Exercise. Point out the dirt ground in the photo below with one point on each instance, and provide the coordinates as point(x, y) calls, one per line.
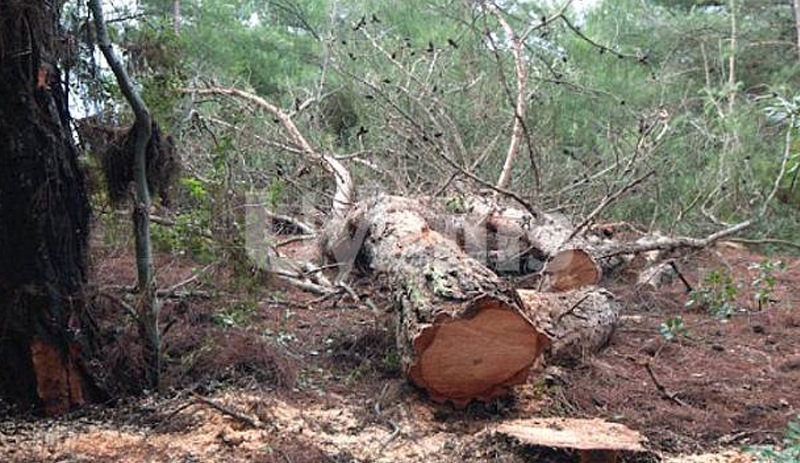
point(276, 375)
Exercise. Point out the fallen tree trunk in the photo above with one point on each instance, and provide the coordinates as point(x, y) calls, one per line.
point(463, 333)
point(513, 240)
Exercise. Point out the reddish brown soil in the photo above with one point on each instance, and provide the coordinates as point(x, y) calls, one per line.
point(321, 382)
point(731, 381)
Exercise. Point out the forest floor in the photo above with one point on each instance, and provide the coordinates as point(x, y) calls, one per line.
point(260, 372)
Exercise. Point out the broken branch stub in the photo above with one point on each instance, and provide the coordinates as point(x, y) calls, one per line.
point(462, 332)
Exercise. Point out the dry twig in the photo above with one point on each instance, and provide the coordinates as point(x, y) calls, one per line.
point(239, 416)
point(663, 390)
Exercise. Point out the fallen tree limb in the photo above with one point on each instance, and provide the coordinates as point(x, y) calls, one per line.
point(229, 411)
point(513, 240)
point(663, 390)
point(608, 200)
point(762, 241)
point(669, 244)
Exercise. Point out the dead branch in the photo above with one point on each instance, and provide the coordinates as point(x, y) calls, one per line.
point(453, 129)
point(295, 239)
point(535, 212)
point(640, 58)
point(663, 390)
point(669, 244)
point(685, 282)
point(605, 203)
point(784, 162)
point(521, 105)
point(258, 138)
point(304, 228)
point(301, 282)
point(174, 288)
point(224, 409)
point(775, 241)
point(345, 188)
point(118, 300)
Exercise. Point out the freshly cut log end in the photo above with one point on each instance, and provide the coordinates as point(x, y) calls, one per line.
point(475, 356)
point(596, 440)
point(572, 269)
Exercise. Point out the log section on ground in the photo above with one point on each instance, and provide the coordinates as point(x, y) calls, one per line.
point(462, 332)
point(596, 441)
point(578, 322)
point(571, 269)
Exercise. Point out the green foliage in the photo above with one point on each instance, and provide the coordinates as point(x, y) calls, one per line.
point(186, 235)
point(269, 44)
point(195, 188)
point(717, 294)
point(455, 204)
point(236, 316)
point(672, 328)
point(764, 282)
point(789, 452)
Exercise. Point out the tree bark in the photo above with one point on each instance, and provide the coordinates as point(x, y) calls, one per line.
point(578, 322)
point(44, 218)
point(511, 240)
point(462, 332)
point(796, 17)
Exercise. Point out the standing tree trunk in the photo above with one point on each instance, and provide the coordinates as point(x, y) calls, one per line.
point(796, 11)
point(44, 217)
point(147, 306)
point(176, 17)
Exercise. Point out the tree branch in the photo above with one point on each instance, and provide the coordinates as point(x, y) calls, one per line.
point(344, 196)
point(521, 105)
point(669, 244)
point(605, 203)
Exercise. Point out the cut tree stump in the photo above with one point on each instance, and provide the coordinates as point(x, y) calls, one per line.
point(597, 441)
point(462, 332)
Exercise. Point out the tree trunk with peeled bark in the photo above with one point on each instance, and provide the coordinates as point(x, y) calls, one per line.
point(44, 218)
point(463, 333)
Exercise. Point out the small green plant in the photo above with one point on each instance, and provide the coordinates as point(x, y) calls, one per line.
point(456, 205)
point(789, 452)
point(671, 328)
point(717, 294)
point(764, 282)
point(235, 316)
